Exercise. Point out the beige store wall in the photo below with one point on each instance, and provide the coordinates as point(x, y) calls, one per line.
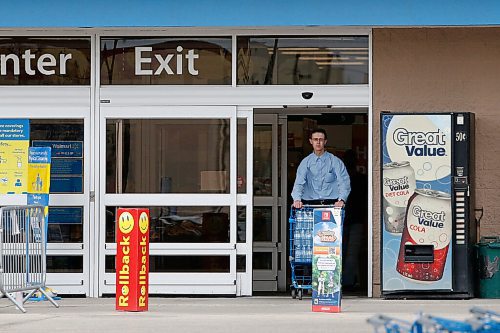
point(441, 70)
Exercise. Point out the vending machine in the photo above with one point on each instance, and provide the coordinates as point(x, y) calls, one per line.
point(428, 229)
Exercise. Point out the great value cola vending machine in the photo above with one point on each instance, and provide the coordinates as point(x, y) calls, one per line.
point(427, 202)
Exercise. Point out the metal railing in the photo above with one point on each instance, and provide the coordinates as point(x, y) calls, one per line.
point(23, 246)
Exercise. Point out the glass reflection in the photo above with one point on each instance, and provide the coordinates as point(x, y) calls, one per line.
point(241, 263)
point(262, 224)
point(262, 260)
point(65, 225)
point(263, 160)
point(181, 264)
point(67, 163)
point(152, 61)
point(242, 156)
point(180, 224)
point(66, 61)
point(302, 60)
point(241, 233)
point(167, 156)
point(64, 264)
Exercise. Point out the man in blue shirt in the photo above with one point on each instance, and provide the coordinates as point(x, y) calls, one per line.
point(322, 178)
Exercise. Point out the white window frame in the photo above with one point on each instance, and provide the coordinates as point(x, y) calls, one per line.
point(59, 102)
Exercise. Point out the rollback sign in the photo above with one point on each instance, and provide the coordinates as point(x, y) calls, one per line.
point(132, 259)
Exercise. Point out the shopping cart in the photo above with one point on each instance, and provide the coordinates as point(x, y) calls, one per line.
point(301, 249)
point(484, 321)
point(383, 323)
point(423, 324)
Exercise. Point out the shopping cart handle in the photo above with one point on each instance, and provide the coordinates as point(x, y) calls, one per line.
point(376, 321)
point(317, 206)
point(448, 325)
point(389, 323)
point(481, 311)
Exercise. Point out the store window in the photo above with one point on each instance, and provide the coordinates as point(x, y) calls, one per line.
point(186, 224)
point(155, 61)
point(167, 156)
point(44, 61)
point(64, 264)
point(181, 264)
point(263, 162)
point(241, 222)
point(302, 60)
point(65, 137)
point(241, 181)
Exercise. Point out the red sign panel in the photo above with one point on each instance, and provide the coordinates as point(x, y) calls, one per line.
point(132, 259)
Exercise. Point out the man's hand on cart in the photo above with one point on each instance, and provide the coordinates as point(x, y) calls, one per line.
point(339, 203)
point(298, 204)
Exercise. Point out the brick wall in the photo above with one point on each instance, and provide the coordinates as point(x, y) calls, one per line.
point(441, 70)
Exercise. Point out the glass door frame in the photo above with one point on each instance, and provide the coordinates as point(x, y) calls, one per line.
point(267, 280)
point(172, 283)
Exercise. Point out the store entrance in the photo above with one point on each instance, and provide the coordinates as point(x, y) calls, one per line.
point(280, 143)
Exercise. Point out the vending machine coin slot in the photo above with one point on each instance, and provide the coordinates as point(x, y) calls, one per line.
point(419, 253)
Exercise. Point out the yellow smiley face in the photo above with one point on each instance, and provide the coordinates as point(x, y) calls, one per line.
point(143, 222)
point(126, 222)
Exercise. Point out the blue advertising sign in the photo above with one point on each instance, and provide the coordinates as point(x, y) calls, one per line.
point(14, 129)
point(416, 202)
point(67, 166)
point(327, 259)
point(39, 178)
point(65, 215)
point(62, 148)
point(14, 143)
point(66, 184)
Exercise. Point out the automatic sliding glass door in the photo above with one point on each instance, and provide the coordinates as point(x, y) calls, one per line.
point(183, 168)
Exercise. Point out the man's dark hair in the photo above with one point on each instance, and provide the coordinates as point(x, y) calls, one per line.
point(318, 130)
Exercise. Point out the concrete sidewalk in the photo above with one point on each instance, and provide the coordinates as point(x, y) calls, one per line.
point(245, 314)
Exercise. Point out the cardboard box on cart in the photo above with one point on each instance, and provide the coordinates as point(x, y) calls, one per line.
point(327, 259)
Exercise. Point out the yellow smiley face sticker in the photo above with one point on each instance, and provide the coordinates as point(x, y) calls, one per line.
point(126, 222)
point(143, 222)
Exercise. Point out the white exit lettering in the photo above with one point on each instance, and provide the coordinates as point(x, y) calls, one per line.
point(46, 63)
point(163, 64)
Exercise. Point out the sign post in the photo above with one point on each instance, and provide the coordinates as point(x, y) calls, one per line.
point(327, 259)
point(132, 259)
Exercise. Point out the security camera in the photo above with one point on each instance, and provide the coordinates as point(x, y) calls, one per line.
point(307, 95)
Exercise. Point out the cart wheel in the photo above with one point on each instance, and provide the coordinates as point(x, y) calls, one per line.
point(300, 294)
point(294, 293)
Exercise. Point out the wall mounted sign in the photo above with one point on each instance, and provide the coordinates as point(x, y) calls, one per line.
point(173, 61)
